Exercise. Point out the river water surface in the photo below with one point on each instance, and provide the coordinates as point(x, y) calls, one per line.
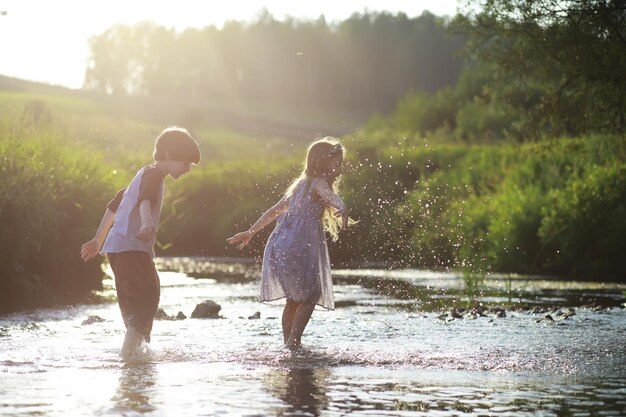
point(391, 348)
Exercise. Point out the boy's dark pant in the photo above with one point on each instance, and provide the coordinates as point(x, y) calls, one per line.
point(138, 289)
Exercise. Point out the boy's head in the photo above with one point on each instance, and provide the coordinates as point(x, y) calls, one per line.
point(176, 144)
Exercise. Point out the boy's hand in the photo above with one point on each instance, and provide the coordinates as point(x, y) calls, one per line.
point(243, 238)
point(90, 250)
point(147, 232)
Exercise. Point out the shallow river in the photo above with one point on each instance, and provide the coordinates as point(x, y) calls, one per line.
point(380, 353)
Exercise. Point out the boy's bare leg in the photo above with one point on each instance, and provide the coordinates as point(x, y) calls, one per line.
point(301, 319)
point(288, 316)
point(132, 341)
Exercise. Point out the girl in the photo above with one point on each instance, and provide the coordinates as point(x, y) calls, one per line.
point(295, 262)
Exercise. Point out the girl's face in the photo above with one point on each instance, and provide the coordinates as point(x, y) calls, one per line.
point(334, 165)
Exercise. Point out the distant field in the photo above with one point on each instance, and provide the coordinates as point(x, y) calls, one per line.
point(229, 128)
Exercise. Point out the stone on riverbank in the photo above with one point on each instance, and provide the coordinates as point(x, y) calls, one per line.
point(91, 320)
point(206, 309)
point(162, 315)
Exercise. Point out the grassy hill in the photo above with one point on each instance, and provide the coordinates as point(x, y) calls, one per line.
point(267, 122)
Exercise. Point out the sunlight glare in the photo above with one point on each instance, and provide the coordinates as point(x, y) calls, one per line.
point(48, 41)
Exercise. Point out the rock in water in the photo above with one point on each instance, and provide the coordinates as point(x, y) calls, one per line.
point(92, 319)
point(161, 315)
point(206, 309)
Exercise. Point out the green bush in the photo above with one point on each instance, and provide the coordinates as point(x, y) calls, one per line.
point(485, 208)
point(51, 198)
point(584, 224)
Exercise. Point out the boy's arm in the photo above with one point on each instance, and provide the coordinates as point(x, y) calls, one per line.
point(91, 249)
point(269, 216)
point(149, 188)
point(147, 232)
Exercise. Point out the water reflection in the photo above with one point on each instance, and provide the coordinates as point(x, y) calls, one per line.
point(302, 389)
point(135, 391)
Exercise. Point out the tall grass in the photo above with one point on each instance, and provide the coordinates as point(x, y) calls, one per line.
point(51, 198)
point(554, 206)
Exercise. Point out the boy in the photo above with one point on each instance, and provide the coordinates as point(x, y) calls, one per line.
point(129, 226)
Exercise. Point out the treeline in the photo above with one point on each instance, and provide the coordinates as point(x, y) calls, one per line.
point(533, 69)
point(364, 63)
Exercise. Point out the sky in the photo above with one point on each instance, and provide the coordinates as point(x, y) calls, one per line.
point(47, 40)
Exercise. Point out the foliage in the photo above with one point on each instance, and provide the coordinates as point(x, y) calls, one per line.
point(583, 224)
point(568, 56)
point(551, 207)
point(534, 69)
point(50, 198)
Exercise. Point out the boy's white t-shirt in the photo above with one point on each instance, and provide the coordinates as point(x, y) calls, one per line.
point(122, 236)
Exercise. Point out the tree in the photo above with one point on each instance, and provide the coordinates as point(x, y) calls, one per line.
point(570, 56)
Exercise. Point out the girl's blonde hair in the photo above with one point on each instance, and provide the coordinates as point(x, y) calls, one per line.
point(318, 156)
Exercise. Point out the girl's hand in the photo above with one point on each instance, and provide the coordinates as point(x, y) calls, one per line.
point(242, 238)
point(344, 219)
point(90, 250)
point(147, 232)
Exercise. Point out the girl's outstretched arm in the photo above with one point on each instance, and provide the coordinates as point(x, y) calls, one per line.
point(269, 216)
point(331, 199)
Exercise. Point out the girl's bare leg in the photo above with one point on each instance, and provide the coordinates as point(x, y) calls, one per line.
point(301, 319)
point(288, 316)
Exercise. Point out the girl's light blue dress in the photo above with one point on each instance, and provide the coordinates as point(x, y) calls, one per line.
point(295, 262)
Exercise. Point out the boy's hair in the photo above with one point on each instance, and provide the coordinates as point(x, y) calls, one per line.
point(178, 144)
